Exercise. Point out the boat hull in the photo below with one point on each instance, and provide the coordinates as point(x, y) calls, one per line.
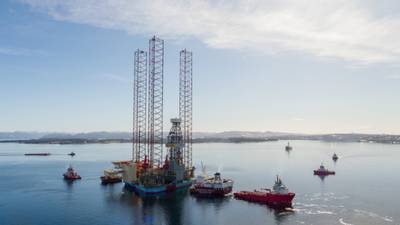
point(66, 177)
point(162, 189)
point(324, 173)
point(210, 192)
point(272, 199)
point(110, 180)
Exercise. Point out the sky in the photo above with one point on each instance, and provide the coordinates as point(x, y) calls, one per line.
point(259, 65)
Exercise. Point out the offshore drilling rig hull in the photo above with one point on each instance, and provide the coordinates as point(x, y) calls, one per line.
point(144, 178)
point(159, 190)
point(152, 170)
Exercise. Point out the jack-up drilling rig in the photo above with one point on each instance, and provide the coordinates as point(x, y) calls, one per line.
point(149, 172)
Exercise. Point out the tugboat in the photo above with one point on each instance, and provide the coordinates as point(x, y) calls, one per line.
point(335, 157)
point(279, 196)
point(212, 187)
point(72, 154)
point(322, 171)
point(111, 176)
point(288, 147)
point(71, 174)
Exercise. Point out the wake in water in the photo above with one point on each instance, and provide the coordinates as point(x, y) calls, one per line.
point(373, 215)
point(329, 204)
point(342, 222)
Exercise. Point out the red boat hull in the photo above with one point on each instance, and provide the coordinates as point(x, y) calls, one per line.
point(323, 173)
point(210, 192)
point(272, 199)
point(72, 177)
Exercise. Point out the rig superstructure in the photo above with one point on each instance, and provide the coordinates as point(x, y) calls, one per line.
point(149, 171)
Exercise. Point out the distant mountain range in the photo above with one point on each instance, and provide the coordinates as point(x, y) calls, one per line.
point(18, 135)
point(21, 135)
point(227, 136)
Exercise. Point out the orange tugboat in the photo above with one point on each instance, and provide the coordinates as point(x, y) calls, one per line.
point(279, 196)
point(71, 174)
point(212, 187)
point(322, 171)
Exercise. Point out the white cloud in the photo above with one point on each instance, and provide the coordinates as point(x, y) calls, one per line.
point(342, 29)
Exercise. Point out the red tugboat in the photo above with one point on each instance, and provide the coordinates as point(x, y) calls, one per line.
point(71, 174)
point(322, 171)
point(279, 196)
point(212, 187)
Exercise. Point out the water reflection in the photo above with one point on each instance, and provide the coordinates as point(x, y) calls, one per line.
point(217, 203)
point(288, 153)
point(162, 209)
point(281, 214)
point(321, 177)
point(69, 184)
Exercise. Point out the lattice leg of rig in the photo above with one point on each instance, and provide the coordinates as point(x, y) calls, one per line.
point(186, 103)
point(155, 103)
point(139, 105)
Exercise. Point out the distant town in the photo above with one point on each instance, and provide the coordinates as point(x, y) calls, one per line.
point(199, 137)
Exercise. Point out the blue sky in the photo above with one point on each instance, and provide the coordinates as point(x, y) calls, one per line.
point(295, 66)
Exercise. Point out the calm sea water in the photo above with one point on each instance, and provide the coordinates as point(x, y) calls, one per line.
point(364, 190)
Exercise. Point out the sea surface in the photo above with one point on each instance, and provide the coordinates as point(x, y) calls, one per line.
point(365, 189)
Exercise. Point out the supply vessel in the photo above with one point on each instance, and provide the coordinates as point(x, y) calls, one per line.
point(212, 186)
point(279, 196)
point(111, 176)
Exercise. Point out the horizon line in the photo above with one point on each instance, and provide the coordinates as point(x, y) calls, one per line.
point(226, 131)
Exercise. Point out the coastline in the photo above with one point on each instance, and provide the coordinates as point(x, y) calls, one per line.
point(338, 138)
